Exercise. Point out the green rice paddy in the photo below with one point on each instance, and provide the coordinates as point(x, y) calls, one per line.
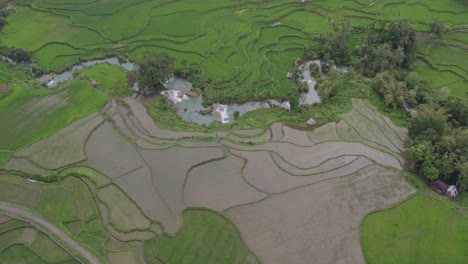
point(30, 114)
point(420, 230)
point(207, 237)
point(248, 46)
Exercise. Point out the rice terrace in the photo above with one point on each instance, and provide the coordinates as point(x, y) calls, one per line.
point(234, 131)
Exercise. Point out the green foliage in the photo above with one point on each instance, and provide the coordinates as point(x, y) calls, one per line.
point(383, 57)
point(236, 115)
point(154, 70)
point(420, 230)
point(390, 89)
point(438, 151)
point(314, 70)
point(389, 45)
point(339, 43)
point(19, 55)
point(438, 27)
point(427, 127)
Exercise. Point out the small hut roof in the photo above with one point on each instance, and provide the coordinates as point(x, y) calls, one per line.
point(439, 185)
point(311, 121)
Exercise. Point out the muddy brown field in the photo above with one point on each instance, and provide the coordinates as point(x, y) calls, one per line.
point(297, 196)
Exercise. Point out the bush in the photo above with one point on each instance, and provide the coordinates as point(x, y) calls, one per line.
point(236, 115)
point(19, 55)
point(314, 70)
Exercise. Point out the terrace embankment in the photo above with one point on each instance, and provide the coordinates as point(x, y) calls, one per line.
point(295, 195)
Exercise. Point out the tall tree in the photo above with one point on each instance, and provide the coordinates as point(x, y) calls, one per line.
point(154, 69)
point(438, 27)
point(390, 89)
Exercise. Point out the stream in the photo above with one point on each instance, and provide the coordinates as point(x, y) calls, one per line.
point(189, 108)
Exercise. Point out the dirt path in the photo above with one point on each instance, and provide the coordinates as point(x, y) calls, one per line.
point(49, 229)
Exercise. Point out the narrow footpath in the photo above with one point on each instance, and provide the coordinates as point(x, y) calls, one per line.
point(49, 229)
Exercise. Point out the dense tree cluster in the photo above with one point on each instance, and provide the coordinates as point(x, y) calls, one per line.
point(154, 70)
point(439, 147)
point(19, 54)
point(3, 17)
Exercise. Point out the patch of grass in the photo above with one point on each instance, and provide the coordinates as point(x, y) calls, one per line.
point(150, 251)
point(4, 157)
point(48, 250)
point(419, 230)
point(29, 115)
point(111, 79)
point(206, 237)
point(20, 254)
point(9, 72)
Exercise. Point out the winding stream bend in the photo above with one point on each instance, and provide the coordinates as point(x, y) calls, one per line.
point(189, 108)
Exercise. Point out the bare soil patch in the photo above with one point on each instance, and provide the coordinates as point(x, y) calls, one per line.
point(276, 132)
point(261, 172)
point(324, 133)
point(67, 149)
point(346, 132)
point(297, 137)
point(139, 186)
point(110, 153)
point(328, 165)
point(219, 185)
point(123, 213)
point(319, 222)
point(169, 169)
point(306, 157)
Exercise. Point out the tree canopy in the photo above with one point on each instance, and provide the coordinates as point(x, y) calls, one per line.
point(154, 69)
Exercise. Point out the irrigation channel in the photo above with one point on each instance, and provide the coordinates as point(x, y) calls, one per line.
point(189, 108)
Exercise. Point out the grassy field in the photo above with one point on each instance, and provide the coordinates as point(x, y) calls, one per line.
point(110, 78)
point(31, 114)
point(207, 237)
point(248, 46)
point(420, 230)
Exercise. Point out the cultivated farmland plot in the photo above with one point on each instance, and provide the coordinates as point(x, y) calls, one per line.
point(98, 165)
point(144, 186)
point(253, 43)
